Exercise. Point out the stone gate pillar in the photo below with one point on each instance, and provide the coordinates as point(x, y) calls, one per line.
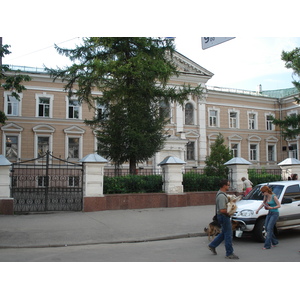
point(93, 176)
point(172, 174)
point(289, 167)
point(6, 203)
point(239, 168)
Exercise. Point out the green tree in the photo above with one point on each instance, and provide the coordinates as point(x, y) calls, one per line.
point(290, 125)
point(132, 73)
point(9, 81)
point(219, 154)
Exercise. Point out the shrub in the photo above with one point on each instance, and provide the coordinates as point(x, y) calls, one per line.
point(132, 184)
point(194, 182)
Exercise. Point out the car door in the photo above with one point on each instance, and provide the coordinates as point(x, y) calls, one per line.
point(289, 212)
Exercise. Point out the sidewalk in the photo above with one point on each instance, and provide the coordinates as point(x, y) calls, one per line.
point(113, 226)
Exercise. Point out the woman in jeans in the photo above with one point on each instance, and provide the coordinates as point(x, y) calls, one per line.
point(272, 204)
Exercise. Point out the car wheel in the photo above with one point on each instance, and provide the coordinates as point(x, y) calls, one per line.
point(259, 232)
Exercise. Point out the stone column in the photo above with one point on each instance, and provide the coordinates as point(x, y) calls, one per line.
point(172, 174)
point(6, 203)
point(289, 167)
point(93, 176)
point(239, 168)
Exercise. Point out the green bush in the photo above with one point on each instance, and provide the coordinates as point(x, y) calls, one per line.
point(132, 184)
point(194, 182)
point(262, 176)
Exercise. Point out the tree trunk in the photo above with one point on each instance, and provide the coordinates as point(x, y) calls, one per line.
point(132, 166)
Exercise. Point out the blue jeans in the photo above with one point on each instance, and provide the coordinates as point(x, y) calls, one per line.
point(270, 222)
point(225, 234)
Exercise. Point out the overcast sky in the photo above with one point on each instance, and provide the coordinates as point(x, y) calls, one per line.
point(242, 63)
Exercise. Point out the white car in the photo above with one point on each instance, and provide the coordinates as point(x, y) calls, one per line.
point(288, 193)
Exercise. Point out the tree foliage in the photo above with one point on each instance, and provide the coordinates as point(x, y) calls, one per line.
point(132, 75)
point(219, 154)
point(290, 125)
point(10, 80)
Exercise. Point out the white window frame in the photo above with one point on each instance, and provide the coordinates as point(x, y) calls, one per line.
point(194, 150)
point(18, 136)
point(237, 150)
point(274, 152)
point(252, 123)
point(237, 119)
point(17, 105)
point(214, 121)
point(37, 100)
point(36, 136)
point(293, 153)
point(193, 113)
point(68, 106)
point(269, 124)
point(43, 130)
point(68, 136)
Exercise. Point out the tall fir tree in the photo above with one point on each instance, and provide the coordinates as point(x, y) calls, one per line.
point(133, 74)
point(219, 154)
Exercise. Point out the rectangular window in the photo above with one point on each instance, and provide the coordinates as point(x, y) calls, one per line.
point(233, 119)
point(190, 151)
point(43, 181)
point(252, 121)
point(213, 115)
point(74, 108)
point(293, 151)
point(11, 147)
point(12, 108)
point(271, 153)
point(253, 152)
point(44, 107)
point(73, 148)
point(74, 181)
point(235, 150)
point(43, 145)
point(269, 123)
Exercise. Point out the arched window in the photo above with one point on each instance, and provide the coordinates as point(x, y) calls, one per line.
point(189, 114)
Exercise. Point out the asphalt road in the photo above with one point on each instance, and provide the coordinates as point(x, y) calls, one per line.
point(192, 249)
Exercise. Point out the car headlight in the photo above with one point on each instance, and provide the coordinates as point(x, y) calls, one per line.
point(246, 213)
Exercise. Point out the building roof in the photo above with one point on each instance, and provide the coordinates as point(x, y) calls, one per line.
point(281, 93)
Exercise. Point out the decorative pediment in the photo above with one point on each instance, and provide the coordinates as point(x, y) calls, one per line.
point(43, 128)
point(235, 137)
point(12, 127)
point(74, 130)
point(186, 65)
point(272, 139)
point(192, 134)
point(254, 138)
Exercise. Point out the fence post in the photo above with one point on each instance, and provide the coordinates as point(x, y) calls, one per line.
point(289, 167)
point(239, 168)
point(93, 177)
point(172, 174)
point(6, 203)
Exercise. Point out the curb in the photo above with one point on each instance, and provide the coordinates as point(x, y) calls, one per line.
point(171, 237)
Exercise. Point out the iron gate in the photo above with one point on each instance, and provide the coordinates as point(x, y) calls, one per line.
point(46, 183)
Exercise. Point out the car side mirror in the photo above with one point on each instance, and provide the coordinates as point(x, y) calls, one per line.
point(286, 200)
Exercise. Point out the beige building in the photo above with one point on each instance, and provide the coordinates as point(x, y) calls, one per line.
point(46, 119)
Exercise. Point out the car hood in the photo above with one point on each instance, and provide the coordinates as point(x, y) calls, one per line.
point(248, 204)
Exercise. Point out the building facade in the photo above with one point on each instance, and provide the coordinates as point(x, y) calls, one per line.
point(45, 119)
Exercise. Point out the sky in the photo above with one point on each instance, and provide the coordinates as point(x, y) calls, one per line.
point(240, 63)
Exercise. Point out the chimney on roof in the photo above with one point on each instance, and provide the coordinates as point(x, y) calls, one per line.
point(259, 89)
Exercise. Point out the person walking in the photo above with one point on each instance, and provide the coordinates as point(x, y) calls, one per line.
point(247, 185)
point(272, 204)
point(224, 221)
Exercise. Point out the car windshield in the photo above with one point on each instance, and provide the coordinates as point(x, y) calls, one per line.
point(256, 194)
